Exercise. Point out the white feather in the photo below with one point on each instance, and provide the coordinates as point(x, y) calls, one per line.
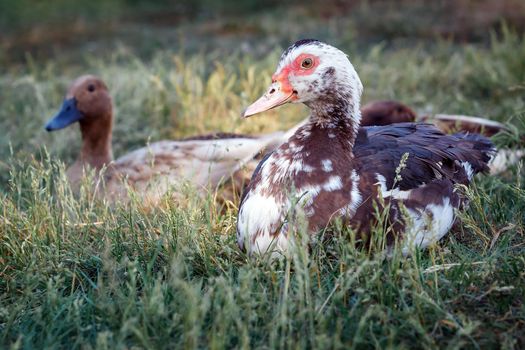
point(428, 226)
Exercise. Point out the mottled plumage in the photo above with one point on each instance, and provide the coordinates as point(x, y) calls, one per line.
point(330, 168)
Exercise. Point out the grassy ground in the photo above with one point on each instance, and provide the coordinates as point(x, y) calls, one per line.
point(77, 274)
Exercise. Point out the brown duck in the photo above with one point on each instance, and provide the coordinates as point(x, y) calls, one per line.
point(151, 171)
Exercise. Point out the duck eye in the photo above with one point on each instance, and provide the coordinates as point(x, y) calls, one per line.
point(91, 88)
point(307, 63)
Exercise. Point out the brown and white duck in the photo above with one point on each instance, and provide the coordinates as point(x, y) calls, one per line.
point(204, 161)
point(330, 168)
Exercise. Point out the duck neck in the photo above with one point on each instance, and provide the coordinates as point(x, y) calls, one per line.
point(96, 141)
point(337, 115)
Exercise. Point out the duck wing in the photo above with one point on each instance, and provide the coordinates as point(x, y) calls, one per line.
point(202, 161)
point(431, 154)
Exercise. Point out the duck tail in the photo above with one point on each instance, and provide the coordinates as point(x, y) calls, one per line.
point(480, 152)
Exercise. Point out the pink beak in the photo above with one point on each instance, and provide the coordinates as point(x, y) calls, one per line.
point(275, 96)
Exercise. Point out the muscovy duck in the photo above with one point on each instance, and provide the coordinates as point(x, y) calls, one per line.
point(331, 168)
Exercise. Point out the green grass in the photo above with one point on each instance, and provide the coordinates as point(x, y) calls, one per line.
point(75, 273)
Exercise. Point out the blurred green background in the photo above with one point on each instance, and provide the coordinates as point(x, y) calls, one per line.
point(62, 29)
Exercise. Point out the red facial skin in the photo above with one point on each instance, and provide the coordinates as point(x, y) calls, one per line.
point(295, 69)
point(281, 91)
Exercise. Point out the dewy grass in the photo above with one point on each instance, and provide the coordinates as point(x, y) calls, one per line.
point(77, 273)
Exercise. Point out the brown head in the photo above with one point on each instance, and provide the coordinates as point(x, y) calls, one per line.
point(88, 102)
point(385, 113)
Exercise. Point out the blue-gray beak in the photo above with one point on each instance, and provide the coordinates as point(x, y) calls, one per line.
point(67, 115)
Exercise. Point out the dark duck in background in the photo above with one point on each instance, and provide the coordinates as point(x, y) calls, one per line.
point(385, 112)
point(331, 168)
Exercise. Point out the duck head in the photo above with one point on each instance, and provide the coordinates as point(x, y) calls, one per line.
point(316, 74)
point(87, 101)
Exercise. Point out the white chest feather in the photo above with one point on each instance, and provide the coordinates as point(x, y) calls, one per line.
point(263, 215)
